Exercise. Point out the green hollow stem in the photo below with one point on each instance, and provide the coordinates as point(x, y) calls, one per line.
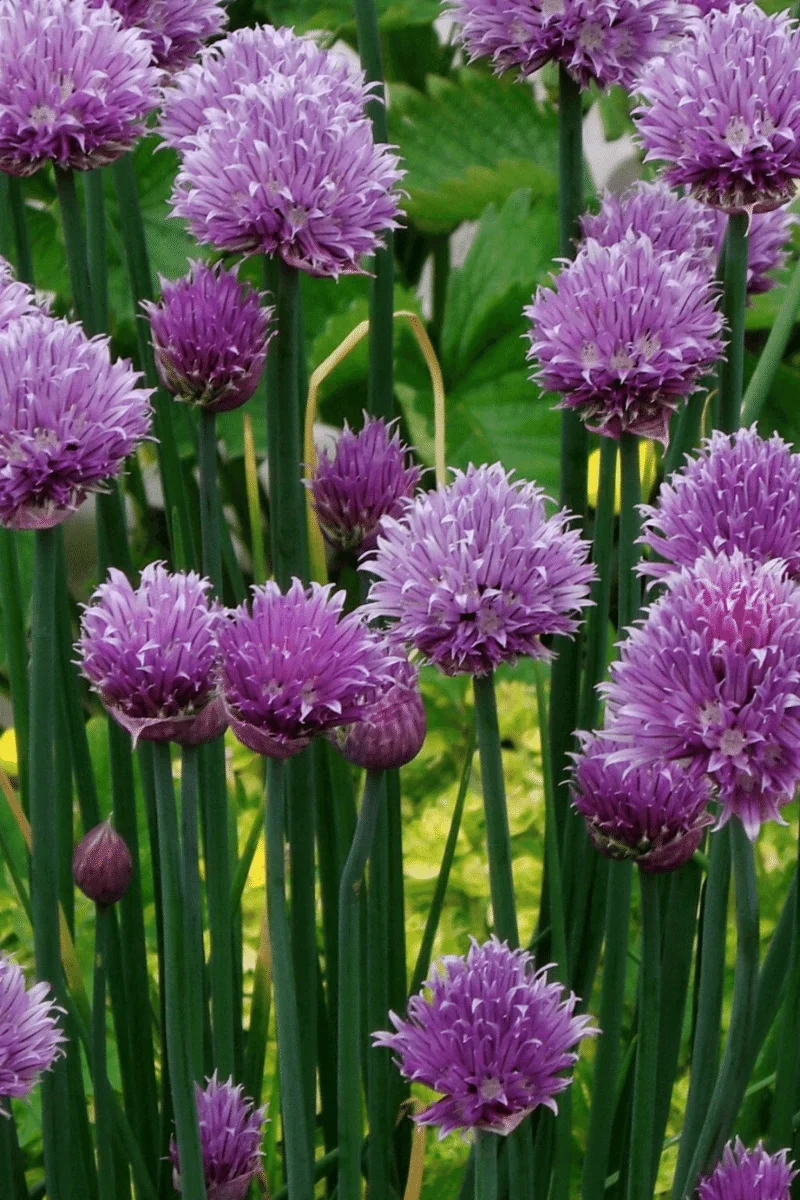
point(640, 1177)
point(486, 1166)
point(733, 1073)
point(630, 589)
point(76, 247)
point(192, 909)
point(102, 1104)
point(296, 1138)
point(773, 352)
point(16, 652)
point(12, 1177)
point(784, 1103)
point(349, 1040)
point(498, 839)
point(378, 1059)
point(687, 432)
point(182, 1083)
point(97, 249)
point(44, 856)
point(209, 499)
point(734, 299)
point(705, 1047)
point(19, 226)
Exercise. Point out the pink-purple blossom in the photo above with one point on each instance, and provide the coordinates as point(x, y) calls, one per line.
point(16, 299)
point(655, 814)
point(710, 678)
point(152, 655)
point(475, 573)
point(293, 666)
point(749, 1175)
point(210, 337)
point(393, 733)
point(69, 418)
point(368, 477)
point(176, 29)
point(598, 41)
point(625, 334)
point(492, 1034)
point(76, 87)
point(739, 492)
point(30, 1036)
point(231, 1128)
point(722, 109)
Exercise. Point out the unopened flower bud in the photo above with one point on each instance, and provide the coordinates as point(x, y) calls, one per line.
point(102, 866)
point(394, 730)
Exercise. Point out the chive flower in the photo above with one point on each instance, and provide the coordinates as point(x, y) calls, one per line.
point(492, 1034)
point(625, 334)
point(475, 573)
point(231, 1128)
point(102, 866)
point(721, 109)
point(293, 666)
point(16, 299)
point(176, 29)
point(598, 41)
point(393, 733)
point(709, 679)
point(76, 87)
point(69, 418)
point(210, 337)
point(655, 814)
point(739, 492)
point(749, 1175)
point(151, 654)
point(30, 1037)
point(368, 477)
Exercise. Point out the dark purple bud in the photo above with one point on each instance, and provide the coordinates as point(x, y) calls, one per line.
point(101, 865)
point(394, 730)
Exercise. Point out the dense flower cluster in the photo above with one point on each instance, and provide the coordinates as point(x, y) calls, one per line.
point(683, 225)
point(739, 492)
point(76, 87)
point(600, 41)
point(210, 337)
point(492, 1034)
point(243, 187)
point(722, 109)
point(368, 477)
point(711, 678)
point(151, 653)
point(749, 1175)
point(69, 418)
point(655, 813)
point(625, 334)
point(176, 29)
point(30, 1038)
point(293, 667)
point(476, 573)
point(230, 1138)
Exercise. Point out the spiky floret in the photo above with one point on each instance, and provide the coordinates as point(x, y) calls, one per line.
point(231, 1128)
point(176, 29)
point(16, 299)
point(30, 1037)
point(749, 1175)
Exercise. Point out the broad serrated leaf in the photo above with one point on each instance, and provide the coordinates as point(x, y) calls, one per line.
point(469, 141)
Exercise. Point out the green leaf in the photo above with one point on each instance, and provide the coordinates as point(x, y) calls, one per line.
point(615, 113)
point(337, 15)
point(471, 140)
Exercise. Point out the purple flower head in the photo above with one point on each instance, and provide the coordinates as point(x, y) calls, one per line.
point(710, 678)
point(704, 7)
point(230, 1138)
point(151, 654)
point(722, 109)
point(30, 1039)
point(749, 1175)
point(476, 573)
point(69, 418)
point(655, 813)
point(76, 87)
point(176, 29)
point(394, 732)
point(16, 299)
point(210, 337)
point(249, 57)
point(369, 477)
point(600, 41)
point(492, 1034)
point(738, 493)
point(293, 666)
point(625, 335)
point(102, 866)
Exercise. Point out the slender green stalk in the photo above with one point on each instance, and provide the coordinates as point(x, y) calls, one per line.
point(19, 225)
point(397, 967)
point(296, 1138)
point(16, 652)
point(102, 1105)
point(96, 238)
point(705, 1048)
point(773, 352)
point(209, 499)
point(602, 548)
point(182, 1084)
point(77, 252)
point(784, 1103)
point(629, 524)
point(687, 433)
point(378, 1060)
point(640, 1177)
point(486, 1166)
point(349, 1041)
point(733, 1073)
point(303, 916)
point(192, 909)
point(498, 840)
point(12, 1177)
point(734, 299)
